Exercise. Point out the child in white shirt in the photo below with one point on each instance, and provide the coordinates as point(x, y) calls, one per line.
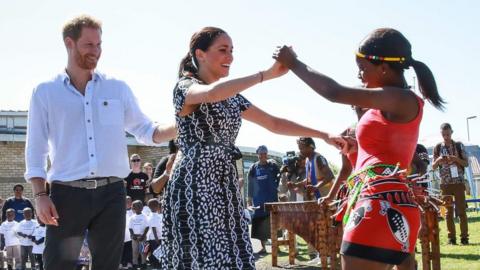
point(38, 239)
point(24, 232)
point(9, 240)
point(127, 243)
point(155, 232)
point(146, 211)
point(138, 227)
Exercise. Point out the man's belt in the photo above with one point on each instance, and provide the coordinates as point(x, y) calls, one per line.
point(90, 183)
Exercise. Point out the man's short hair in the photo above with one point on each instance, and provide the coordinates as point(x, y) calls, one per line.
point(18, 185)
point(306, 141)
point(73, 28)
point(153, 201)
point(445, 126)
point(137, 203)
point(262, 149)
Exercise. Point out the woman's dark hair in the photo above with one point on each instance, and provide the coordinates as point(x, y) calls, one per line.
point(388, 42)
point(202, 40)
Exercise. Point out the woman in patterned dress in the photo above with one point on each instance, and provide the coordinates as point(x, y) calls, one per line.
point(204, 225)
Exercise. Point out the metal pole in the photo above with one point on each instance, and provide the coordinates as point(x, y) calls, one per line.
point(468, 127)
point(468, 131)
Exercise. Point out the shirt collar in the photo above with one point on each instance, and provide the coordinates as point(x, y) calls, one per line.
point(66, 78)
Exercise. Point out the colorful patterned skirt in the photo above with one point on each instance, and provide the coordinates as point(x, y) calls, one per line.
point(382, 220)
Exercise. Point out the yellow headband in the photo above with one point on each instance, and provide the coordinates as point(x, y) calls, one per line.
point(381, 58)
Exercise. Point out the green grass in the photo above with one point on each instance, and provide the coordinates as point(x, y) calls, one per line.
point(459, 257)
point(456, 257)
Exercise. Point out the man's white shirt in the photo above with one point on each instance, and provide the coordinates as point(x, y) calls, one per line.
point(83, 135)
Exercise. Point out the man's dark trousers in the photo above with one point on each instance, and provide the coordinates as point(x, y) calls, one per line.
point(101, 211)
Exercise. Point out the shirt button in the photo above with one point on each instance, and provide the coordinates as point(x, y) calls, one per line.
point(88, 120)
point(87, 103)
point(91, 155)
point(92, 173)
point(90, 138)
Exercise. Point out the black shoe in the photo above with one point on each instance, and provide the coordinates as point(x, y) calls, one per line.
point(452, 241)
point(262, 252)
point(464, 241)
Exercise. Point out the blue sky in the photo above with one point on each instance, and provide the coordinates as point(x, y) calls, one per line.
point(143, 42)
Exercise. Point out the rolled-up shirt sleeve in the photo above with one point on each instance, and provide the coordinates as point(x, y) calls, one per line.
point(36, 148)
point(136, 122)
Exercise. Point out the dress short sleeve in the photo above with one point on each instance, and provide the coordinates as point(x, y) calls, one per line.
point(243, 102)
point(180, 92)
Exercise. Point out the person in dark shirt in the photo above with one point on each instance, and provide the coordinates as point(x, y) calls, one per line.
point(136, 181)
point(18, 203)
point(263, 180)
point(451, 159)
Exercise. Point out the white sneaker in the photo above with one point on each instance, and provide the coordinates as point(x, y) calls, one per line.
point(316, 260)
point(320, 261)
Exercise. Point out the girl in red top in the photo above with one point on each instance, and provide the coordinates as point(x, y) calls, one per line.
point(382, 220)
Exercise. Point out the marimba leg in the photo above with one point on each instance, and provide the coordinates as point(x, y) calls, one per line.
point(291, 248)
point(435, 243)
point(273, 237)
point(425, 242)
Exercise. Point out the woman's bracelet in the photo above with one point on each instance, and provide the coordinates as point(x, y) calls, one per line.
point(40, 194)
point(261, 76)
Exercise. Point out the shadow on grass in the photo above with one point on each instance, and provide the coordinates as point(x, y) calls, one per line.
point(473, 219)
point(287, 266)
point(468, 257)
point(303, 255)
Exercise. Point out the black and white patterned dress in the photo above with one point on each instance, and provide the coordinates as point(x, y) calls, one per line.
point(204, 225)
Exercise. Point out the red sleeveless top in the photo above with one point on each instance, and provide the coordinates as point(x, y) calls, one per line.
point(381, 141)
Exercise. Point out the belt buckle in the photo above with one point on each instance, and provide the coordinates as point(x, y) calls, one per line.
point(95, 185)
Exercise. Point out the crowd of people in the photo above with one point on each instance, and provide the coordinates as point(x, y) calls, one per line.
point(97, 196)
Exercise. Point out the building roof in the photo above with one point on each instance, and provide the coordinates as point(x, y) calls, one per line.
point(13, 113)
point(15, 130)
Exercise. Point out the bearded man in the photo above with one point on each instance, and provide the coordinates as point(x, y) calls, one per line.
point(78, 120)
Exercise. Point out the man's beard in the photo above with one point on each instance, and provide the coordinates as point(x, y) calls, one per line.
point(84, 62)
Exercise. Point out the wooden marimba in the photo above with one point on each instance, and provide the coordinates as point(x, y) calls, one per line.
point(430, 232)
point(313, 223)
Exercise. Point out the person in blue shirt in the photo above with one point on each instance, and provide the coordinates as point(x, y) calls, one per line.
point(319, 176)
point(17, 203)
point(263, 180)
